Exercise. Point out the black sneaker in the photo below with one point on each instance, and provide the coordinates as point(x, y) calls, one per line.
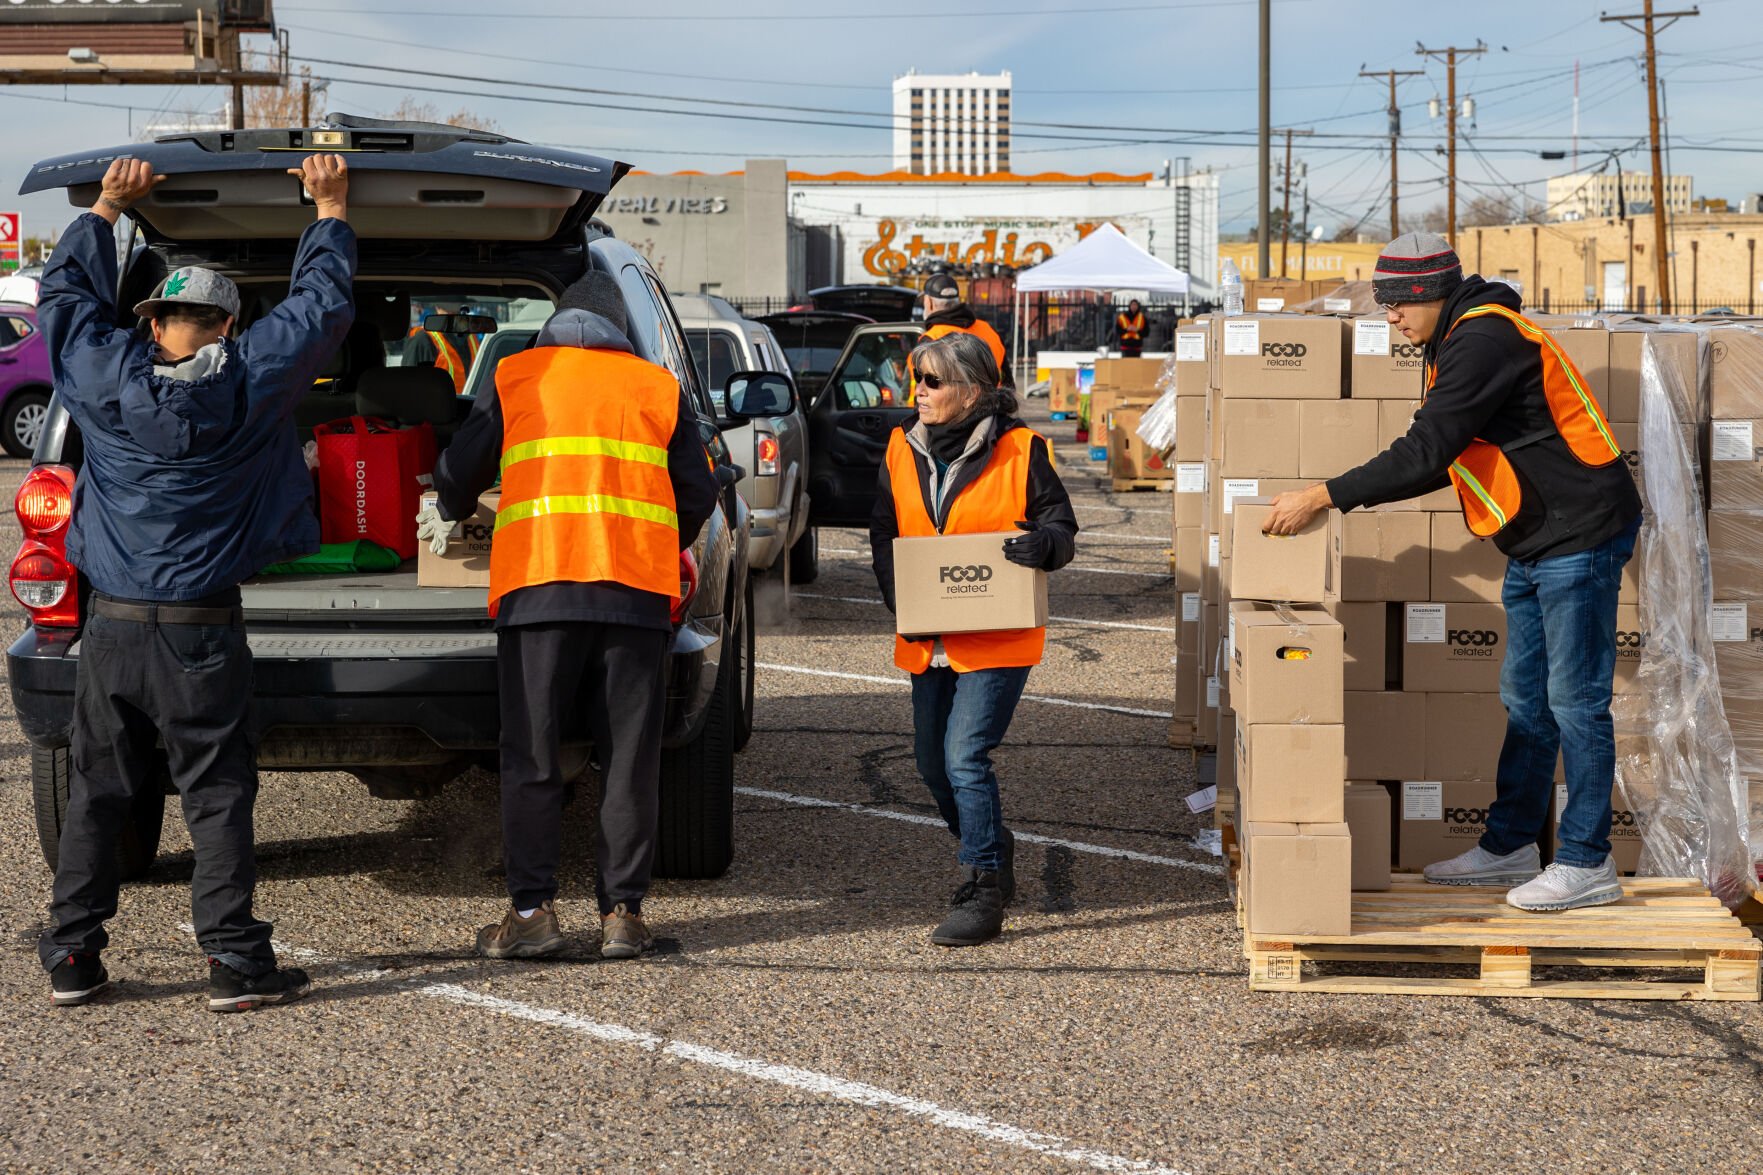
point(978, 915)
point(76, 980)
point(1007, 866)
point(234, 991)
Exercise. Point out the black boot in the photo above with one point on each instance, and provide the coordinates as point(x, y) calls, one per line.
point(1007, 866)
point(234, 991)
point(978, 914)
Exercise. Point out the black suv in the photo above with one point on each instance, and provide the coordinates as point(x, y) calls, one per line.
point(369, 673)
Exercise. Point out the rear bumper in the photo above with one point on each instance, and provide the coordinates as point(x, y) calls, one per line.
point(339, 712)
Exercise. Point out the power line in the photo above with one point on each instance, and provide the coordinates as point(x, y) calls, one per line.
point(428, 13)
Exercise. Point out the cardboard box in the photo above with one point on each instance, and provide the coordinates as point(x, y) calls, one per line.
point(1212, 587)
point(1190, 428)
point(1365, 634)
point(1464, 734)
point(1276, 295)
point(1208, 671)
point(1589, 349)
point(1436, 821)
point(1128, 455)
point(1333, 436)
point(1465, 569)
point(1367, 807)
point(467, 561)
point(1190, 561)
point(1452, 648)
point(1189, 498)
point(1130, 375)
point(1231, 490)
point(1394, 418)
point(1735, 464)
point(1384, 365)
point(1678, 350)
point(1735, 550)
point(1381, 554)
point(955, 583)
point(1225, 764)
point(1285, 664)
point(1062, 390)
point(1096, 406)
point(1294, 568)
point(1631, 643)
point(1260, 437)
point(1298, 878)
point(1281, 357)
point(1625, 832)
point(1193, 364)
point(1735, 373)
point(1386, 735)
point(1292, 772)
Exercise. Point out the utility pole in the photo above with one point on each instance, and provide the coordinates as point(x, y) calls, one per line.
point(1264, 136)
point(1395, 134)
point(1304, 241)
point(1649, 27)
point(306, 102)
point(1450, 55)
point(1285, 228)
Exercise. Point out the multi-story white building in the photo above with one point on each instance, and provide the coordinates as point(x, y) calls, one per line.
point(952, 123)
point(1599, 195)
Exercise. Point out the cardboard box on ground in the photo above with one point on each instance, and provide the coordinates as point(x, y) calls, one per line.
point(1062, 390)
point(467, 561)
point(1129, 458)
point(958, 583)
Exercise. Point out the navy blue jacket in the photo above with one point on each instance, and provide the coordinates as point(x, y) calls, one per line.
point(189, 488)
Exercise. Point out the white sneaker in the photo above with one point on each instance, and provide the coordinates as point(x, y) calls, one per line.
point(1480, 867)
point(1569, 887)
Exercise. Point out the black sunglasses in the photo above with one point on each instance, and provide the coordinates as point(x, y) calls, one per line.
point(933, 382)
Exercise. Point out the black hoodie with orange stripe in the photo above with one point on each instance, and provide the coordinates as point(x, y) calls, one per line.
point(1490, 385)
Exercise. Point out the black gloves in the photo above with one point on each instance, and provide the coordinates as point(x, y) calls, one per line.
point(1031, 548)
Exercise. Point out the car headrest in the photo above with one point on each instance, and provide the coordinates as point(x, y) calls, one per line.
point(409, 395)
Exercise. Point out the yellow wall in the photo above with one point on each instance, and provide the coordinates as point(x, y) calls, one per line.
point(1347, 261)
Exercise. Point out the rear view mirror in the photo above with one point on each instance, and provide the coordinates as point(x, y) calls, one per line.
point(460, 324)
point(759, 393)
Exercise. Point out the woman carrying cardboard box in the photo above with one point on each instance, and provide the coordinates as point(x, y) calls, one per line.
point(967, 465)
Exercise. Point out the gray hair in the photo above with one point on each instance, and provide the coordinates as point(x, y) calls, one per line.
point(961, 358)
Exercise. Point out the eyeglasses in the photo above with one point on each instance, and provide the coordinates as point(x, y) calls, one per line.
point(1390, 307)
point(935, 383)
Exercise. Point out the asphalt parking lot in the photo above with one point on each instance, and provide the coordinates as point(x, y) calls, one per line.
point(796, 1017)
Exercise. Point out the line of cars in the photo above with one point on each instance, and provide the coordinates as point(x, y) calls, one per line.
point(367, 672)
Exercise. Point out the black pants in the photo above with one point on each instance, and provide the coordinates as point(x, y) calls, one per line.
point(190, 685)
point(1131, 348)
point(612, 677)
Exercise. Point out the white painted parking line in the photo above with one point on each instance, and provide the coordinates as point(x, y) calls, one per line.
point(1076, 846)
point(1055, 619)
point(1116, 571)
point(895, 681)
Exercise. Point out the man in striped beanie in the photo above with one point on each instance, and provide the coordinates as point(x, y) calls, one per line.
point(1509, 421)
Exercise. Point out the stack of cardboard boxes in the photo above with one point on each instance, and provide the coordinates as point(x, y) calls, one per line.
point(1124, 388)
point(1268, 403)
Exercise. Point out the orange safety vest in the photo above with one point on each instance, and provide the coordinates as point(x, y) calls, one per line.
point(586, 494)
point(1487, 485)
point(980, 330)
point(993, 502)
point(448, 358)
point(1131, 329)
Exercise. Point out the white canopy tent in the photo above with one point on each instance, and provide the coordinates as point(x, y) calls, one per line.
point(1105, 260)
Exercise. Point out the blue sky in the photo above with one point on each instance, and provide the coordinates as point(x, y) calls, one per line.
point(1180, 74)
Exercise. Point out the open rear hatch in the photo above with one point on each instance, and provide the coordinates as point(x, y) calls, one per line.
point(409, 181)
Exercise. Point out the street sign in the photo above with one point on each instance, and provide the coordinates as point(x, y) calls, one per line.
point(11, 241)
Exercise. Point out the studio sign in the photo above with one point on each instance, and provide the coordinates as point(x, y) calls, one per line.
point(881, 258)
point(651, 205)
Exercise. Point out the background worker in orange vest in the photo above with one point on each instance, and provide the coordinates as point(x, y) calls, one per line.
point(967, 465)
point(604, 482)
point(1509, 420)
point(945, 313)
point(1129, 326)
point(452, 351)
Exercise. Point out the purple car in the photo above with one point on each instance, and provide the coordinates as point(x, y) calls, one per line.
point(24, 379)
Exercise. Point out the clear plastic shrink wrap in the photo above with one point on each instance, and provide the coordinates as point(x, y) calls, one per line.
point(1157, 425)
point(1677, 765)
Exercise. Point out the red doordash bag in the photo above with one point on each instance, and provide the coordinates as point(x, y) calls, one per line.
point(371, 476)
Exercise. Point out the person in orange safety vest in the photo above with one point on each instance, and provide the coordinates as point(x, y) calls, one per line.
point(605, 480)
point(452, 353)
point(1129, 327)
point(1509, 421)
point(945, 313)
point(967, 465)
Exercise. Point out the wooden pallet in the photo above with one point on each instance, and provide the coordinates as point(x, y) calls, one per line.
point(1661, 923)
point(1127, 484)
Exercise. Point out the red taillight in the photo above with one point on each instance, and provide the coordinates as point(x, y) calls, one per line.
point(688, 585)
point(44, 501)
point(41, 577)
point(766, 451)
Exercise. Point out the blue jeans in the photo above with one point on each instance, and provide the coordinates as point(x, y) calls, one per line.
point(1556, 684)
point(958, 720)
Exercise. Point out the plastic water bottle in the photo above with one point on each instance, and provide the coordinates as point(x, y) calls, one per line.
point(1232, 286)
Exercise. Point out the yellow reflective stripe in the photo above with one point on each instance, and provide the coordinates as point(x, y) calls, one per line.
point(1585, 398)
point(585, 447)
point(586, 504)
point(441, 348)
point(1479, 490)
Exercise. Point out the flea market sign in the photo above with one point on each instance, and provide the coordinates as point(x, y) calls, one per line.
point(897, 244)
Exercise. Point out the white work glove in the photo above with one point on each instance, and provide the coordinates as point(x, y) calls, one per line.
point(433, 529)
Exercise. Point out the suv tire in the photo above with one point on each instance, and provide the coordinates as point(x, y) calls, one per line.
point(695, 836)
point(749, 647)
point(51, 775)
point(805, 557)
